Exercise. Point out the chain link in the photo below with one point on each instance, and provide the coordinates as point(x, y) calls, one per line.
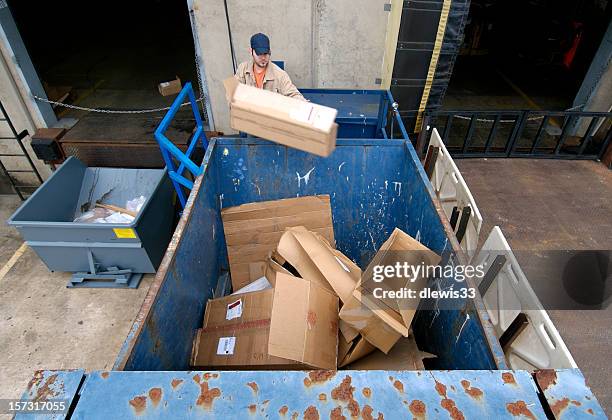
point(111, 111)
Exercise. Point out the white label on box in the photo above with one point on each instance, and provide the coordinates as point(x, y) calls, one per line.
point(164, 84)
point(324, 118)
point(226, 345)
point(343, 265)
point(302, 113)
point(234, 310)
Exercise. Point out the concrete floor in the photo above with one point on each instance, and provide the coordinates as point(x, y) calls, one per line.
point(44, 325)
point(553, 205)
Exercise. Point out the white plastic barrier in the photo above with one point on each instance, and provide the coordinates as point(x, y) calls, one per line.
point(539, 345)
point(453, 192)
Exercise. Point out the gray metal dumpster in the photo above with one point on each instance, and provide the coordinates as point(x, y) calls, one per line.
point(100, 254)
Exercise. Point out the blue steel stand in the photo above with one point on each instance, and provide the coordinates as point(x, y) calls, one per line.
point(111, 277)
point(170, 151)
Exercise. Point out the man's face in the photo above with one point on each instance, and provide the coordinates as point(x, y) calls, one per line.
point(260, 60)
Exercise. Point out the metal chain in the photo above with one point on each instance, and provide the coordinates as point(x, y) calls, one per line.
point(111, 111)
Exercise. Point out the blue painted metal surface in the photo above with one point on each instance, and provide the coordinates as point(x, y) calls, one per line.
point(170, 152)
point(50, 385)
point(295, 394)
point(368, 201)
point(361, 113)
point(567, 394)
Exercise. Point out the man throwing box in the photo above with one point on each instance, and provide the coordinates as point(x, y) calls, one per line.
point(263, 73)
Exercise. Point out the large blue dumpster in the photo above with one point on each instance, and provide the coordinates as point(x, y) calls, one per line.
point(376, 184)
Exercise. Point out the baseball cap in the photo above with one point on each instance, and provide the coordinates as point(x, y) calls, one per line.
point(260, 43)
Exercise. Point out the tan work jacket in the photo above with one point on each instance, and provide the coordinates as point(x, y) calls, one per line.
point(276, 79)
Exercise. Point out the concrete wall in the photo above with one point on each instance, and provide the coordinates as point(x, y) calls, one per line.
point(17, 79)
point(324, 43)
point(23, 114)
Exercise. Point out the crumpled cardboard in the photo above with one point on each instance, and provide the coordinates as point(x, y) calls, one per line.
point(399, 248)
point(317, 261)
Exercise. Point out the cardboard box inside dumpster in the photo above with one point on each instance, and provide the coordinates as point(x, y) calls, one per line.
point(403, 250)
point(293, 326)
point(292, 122)
point(252, 231)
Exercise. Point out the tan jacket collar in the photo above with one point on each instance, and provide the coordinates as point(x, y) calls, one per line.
point(270, 70)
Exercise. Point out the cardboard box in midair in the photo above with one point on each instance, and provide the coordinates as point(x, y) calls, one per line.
point(252, 231)
point(170, 88)
point(289, 121)
point(396, 313)
point(293, 326)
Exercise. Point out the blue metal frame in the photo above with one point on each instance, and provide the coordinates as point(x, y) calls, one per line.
point(169, 150)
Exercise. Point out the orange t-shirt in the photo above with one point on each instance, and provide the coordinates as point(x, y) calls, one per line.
point(259, 78)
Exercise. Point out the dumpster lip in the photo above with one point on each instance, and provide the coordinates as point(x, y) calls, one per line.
point(475, 305)
point(151, 297)
point(75, 225)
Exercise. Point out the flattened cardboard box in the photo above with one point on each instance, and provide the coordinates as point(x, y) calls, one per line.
point(294, 325)
point(252, 230)
point(399, 248)
point(289, 121)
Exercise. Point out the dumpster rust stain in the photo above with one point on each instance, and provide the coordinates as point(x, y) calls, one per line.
point(155, 394)
point(558, 407)
point(44, 392)
point(336, 414)
point(441, 389)
point(253, 408)
point(283, 410)
point(344, 391)
point(104, 375)
point(311, 413)
point(38, 375)
point(208, 376)
point(196, 378)
point(366, 413)
point(449, 405)
point(353, 408)
point(320, 376)
point(576, 403)
point(322, 397)
point(470, 390)
point(367, 392)
point(175, 383)
point(508, 378)
point(207, 396)
point(294, 415)
point(590, 411)
point(418, 409)
point(546, 378)
point(307, 382)
point(399, 386)
point(139, 403)
point(519, 408)
point(253, 386)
